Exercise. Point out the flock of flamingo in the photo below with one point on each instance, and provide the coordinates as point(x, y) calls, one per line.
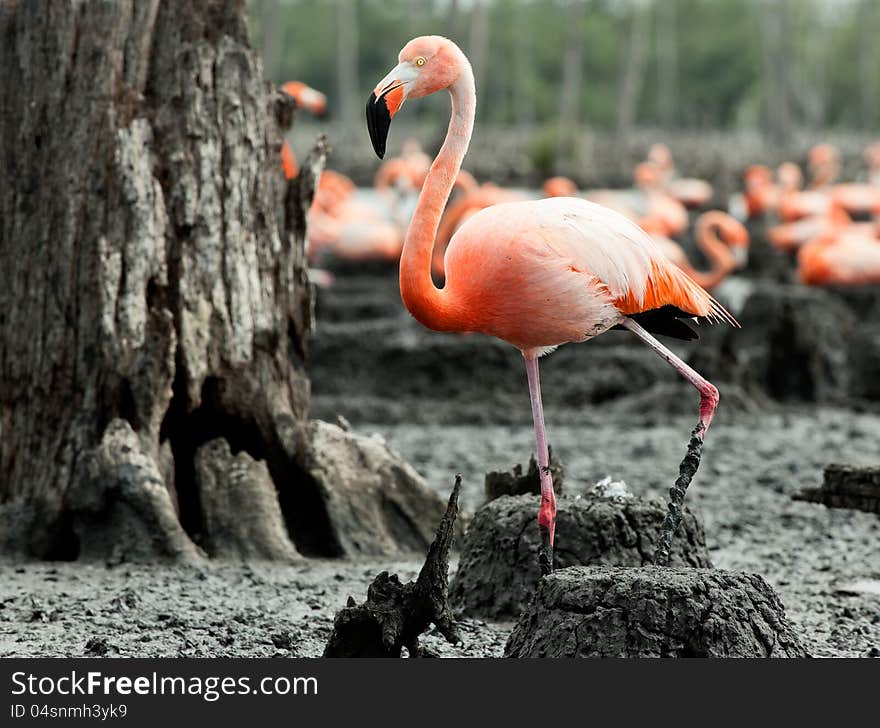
point(827, 228)
point(538, 272)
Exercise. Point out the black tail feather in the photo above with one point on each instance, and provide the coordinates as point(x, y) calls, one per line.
point(666, 321)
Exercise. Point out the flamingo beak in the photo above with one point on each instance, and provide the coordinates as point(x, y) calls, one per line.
point(385, 102)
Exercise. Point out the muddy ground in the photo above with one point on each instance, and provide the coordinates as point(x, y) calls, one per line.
point(459, 404)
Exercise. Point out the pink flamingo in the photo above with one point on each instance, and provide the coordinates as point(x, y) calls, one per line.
point(848, 256)
point(648, 204)
point(872, 159)
point(761, 194)
point(689, 191)
point(348, 228)
point(559, 187)
point(462, 210)
point(306, 98)
point(724, 241)
point(537, 273)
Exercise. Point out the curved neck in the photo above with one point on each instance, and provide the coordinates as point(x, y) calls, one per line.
point(427, 303)
point(716, 251)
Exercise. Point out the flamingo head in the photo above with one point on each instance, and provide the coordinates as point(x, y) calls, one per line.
point(757, 175)
point(426, 65)
point(872, 155)
point(790, 176)
point(559, 187)
point(660, 155)
point(306, 97)
point(822, 154)
point(737, 238)
point(647, 175)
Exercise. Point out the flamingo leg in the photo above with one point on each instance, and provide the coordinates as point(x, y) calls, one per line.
point(688, 467)
point(547, 511)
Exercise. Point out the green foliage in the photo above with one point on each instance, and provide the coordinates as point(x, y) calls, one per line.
point(720, 65)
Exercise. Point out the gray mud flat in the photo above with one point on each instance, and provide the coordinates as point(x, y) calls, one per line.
point(809, 554)
point(214, 610)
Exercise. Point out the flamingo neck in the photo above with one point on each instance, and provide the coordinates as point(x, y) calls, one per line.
point(431, 306)
point(716, 251)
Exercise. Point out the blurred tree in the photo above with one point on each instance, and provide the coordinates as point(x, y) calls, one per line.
point(347, 61)
point(570, 92)
point(869, 66)
point(667, 62)
point(478, 50)
point(632, 70)
point(772, 64)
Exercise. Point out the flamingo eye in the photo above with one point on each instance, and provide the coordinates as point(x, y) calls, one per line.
point(420, 61)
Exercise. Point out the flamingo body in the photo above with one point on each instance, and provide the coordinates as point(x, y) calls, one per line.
point(536, 274)
point(577, 268)
point(850, 260)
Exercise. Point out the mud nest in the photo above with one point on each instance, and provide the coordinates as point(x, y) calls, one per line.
point(653, 612)
point(498, 570)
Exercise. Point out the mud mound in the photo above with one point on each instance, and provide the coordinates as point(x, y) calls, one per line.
point(498, 569)
point(653, 612)
point(792, 345)
point(864, 357)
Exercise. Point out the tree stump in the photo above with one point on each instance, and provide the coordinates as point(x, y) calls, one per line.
point(516, 482)
point(241, 515)
point(653, 612)
point(152, 263)
point(395, 614)
point(847, 486)
point(498, 569)
point(374, 502)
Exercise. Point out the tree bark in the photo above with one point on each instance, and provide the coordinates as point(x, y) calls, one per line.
point(153, 293)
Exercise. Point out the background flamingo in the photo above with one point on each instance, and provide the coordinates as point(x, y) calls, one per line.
point(306, 98)
point(689, 191)
point(536, 274)
point(723, 240)
point(848, 256)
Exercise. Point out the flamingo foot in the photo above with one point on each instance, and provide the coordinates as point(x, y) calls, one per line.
point(546, 526)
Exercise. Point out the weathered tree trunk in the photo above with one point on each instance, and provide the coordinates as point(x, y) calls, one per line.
point(774, 29)
point(153, 294)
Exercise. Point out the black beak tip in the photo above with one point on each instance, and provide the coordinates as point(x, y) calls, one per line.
point(378, 123)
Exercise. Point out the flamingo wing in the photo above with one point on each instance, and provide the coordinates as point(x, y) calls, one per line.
point(559, 246)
